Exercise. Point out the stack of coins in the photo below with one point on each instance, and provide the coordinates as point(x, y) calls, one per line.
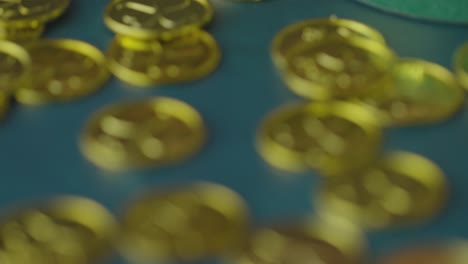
point(161, 42)
point(71, 230)
point(37, 71)
point(354, 86)
point(149, 132)
point(340, 59)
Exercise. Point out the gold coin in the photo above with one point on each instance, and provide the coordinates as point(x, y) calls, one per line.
point(447, 252)
point(313, 31)
point(460, 62)
point(192, 222)
point(332, 137)
point(337, 68)
point(150, 132)
point(322, 243)
point(30, 13)
point(69, 230)
point(148, 19)
point(182, 59)
point(401, 188)
point(418, 92)
point(15, 72)
point(64, 70)
point(21, 34)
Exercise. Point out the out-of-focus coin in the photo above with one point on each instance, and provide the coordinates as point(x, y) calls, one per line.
point(418, 92)
point(148, 19)
point(401, 188)
point(188, 223)
point(69, 230)
point(64, 70)
point(15, 72)
point(449, 252)
point(150, 132)
point(182, 59)
point(21, 34)
point(26, 13)
point(337, 68)
point(460, 62)
point(313, 31)
point(332, 137)
point(322, 243)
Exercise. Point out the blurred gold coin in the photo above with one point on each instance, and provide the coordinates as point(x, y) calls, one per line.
point(337, 68)
point(322, 243)
point(21, 34)
point(332, 137)
point(182, 59)
point(448, 252)
point(149, 19)
point(69, 230)
point(15, 72)
point(193, 222)
point(25, 13)
point(401, 188)
point(460, 62)
point(313, 31)
point(64, 70)
point(149, 132)
point(418, 92)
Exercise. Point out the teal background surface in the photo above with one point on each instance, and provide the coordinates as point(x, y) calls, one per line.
point(453, 11)
point(39, 155)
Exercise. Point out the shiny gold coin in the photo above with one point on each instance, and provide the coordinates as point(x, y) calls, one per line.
point(150, 132)
point(187, 223)
point(313, 31)
point(25, 13)
point(64, 70)
point(149, 19)
point(322, 243)
point(21, 34)
point(402, 188)
point(69, 230)
point(332, 137)
point(418, 92)
point(182, 59)
point(460, 62)
point(337, 68)
point(15, 72)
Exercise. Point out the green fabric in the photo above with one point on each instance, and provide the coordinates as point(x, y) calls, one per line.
point(442, 10)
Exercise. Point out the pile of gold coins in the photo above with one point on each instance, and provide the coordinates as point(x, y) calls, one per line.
point(40, 71)
point(192, 222)
point(353, 86)
point(161, 42)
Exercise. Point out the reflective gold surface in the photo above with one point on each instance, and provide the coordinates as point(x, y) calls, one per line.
point(334, 137)
point(418, 92)
point(64, 70)
point(68, 230)
point(29, 13)
point(314, 31)
point(337, 68)
point(401, 188)
point(147, 19)
point(15, 72)
point(182, 59)
point(192, 222)
point(151, 132)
